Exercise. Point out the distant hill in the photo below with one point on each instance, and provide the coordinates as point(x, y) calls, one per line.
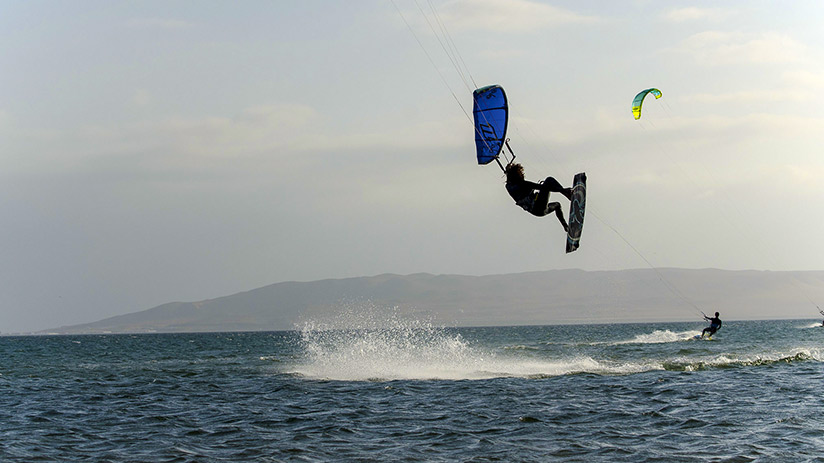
point(550, 297)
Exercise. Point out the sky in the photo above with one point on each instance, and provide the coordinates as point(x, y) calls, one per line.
point(162, 151)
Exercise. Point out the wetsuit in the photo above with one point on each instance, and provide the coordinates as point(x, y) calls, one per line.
point(537, 203)
point(715, 323)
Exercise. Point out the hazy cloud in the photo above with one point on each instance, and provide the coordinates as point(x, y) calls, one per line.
point(735, 48)
point(509, 16)
point(168, 143)
point(5, 118)
point(141, 98)
point(747, 97)
point(806, 80)
point(806, 178)
point(697, 14)
point(263, 134)
point(771, 126)
point(159, 23)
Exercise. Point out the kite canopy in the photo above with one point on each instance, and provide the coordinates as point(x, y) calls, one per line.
point(491, 113)
point(639, 100)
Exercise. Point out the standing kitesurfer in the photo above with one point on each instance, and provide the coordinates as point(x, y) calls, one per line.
point(534, 197)
point(715, 323)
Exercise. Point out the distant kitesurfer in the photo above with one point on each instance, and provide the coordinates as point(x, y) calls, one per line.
point(534, 197)
point(715, 323)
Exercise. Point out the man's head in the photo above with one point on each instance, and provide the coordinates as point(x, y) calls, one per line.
point(514, 172)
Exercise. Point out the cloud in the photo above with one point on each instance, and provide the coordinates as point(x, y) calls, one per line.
point(749, 128)
point(806, 177)
point(795, 86)
point(158, 23)
point(806, 79)
point(728, 48)
point(509, 16)
point(141, 98)
point(252, 132)
point(293, 136)
point(697, 14)
point(170, 144)
point(749, 97)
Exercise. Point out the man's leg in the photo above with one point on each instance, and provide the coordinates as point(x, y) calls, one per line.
point(550, 184)
point(555, 206)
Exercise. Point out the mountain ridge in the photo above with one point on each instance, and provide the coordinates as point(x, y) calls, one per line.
point(527, 298)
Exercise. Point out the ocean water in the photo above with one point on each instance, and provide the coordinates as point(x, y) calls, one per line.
point(372, 388)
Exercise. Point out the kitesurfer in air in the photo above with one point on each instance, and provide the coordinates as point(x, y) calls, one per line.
point(715, 323)
point(534, 197)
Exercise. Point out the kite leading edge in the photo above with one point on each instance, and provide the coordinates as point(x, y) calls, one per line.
point(639, 100)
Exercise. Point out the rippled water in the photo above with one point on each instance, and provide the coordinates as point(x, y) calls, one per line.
point(367, 388)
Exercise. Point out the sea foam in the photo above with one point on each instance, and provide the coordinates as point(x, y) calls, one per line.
point(372, 344)
point(661, 336)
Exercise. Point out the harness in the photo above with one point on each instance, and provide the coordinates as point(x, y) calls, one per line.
point(527, 202)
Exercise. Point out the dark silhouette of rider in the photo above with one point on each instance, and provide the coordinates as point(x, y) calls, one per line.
point(715, 323)
point(534, 197)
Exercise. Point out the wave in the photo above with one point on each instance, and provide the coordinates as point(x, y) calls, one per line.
point(522, 347)
point(385, 347)
point(725, 361)
point(355, 364)
point(375, 345)
point(379, 345)
point(660, 337)
point(656, 337)
point(812, 325)
point(457, 361)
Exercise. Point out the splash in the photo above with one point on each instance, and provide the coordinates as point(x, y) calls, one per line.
point(368, 343)
point(661, 336)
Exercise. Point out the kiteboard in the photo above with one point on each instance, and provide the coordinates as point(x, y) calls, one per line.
point(577, 205)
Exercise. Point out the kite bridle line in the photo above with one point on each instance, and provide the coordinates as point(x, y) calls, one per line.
point(457, 61)
point(498, 160)
point(432, 61)
point(509, 161)
point(734, 214)
point(451, 51)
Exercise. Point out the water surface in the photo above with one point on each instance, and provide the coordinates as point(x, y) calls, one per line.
point(405, 390)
